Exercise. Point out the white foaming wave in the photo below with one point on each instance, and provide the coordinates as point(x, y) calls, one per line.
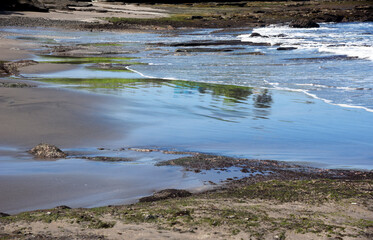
point(322, 39)
point(365, 52)
point(275, 87)
point(151, 77)
point(326, 86)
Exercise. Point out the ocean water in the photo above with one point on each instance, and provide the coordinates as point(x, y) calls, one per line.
point(322, 91)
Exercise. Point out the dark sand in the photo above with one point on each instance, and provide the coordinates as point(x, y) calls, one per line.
point(61, 117)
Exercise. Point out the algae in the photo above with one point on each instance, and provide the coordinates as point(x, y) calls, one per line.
point(86, 60)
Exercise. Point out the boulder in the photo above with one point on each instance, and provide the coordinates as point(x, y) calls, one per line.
point(166, 194)
point(303, 23)
point(44, 150)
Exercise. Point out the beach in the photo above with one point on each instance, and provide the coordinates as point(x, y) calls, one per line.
point(267, 143)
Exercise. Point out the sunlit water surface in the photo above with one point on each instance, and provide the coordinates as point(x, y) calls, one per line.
point(320, 112)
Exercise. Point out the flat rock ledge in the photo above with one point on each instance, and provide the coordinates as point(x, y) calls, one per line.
point(166, 194)
point(44, 150)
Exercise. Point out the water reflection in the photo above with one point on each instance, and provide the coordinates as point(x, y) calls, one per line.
point(221, 102)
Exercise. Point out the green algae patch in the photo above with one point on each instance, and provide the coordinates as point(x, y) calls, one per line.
point(87, 60)
point(96, 82)
point(108, 69)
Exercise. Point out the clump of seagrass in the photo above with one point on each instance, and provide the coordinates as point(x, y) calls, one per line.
point(44, 150)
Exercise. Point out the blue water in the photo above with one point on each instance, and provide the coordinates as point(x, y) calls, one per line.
point(320, 113)
point(322, 92)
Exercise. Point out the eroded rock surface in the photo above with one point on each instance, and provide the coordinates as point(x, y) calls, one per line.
point(44, 150)
point(166, 194)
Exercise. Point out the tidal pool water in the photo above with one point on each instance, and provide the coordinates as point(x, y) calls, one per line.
point(318, 109)
point(321, 104)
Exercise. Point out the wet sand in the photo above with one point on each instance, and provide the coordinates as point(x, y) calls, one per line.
point(14, 50)
point(56, 116)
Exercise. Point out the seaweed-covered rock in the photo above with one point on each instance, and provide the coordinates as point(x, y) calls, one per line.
point(303, 23)
point(44, 150)
point(166, 194)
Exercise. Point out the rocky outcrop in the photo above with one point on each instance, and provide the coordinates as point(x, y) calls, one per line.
point(44, 150)
point(303, 23)
point(23, 5)
point(166, 194)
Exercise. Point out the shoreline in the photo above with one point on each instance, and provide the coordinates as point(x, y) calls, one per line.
point(166, 17)
point(187, 214)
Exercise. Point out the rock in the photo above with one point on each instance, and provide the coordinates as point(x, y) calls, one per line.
point(264, 97)
point(166, 194)
point(196, 17)
point(281, 35)
point(303, 23)
point(3, 214)
point(47, 151)
point(286, 48)
point(11, 68)
point(249, 53)
point(23, 5)
point(254, 34)
point(62, 207)
point(108, 159)
point(207, 49)
point(199, 43)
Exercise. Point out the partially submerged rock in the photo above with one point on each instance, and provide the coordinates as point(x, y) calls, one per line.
point(303, 23)
point(11, 68)
point(108, 159)
point(264, 97)
point(207, 49)
point(166, 194)
point(44, 150)
point(286, 48)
